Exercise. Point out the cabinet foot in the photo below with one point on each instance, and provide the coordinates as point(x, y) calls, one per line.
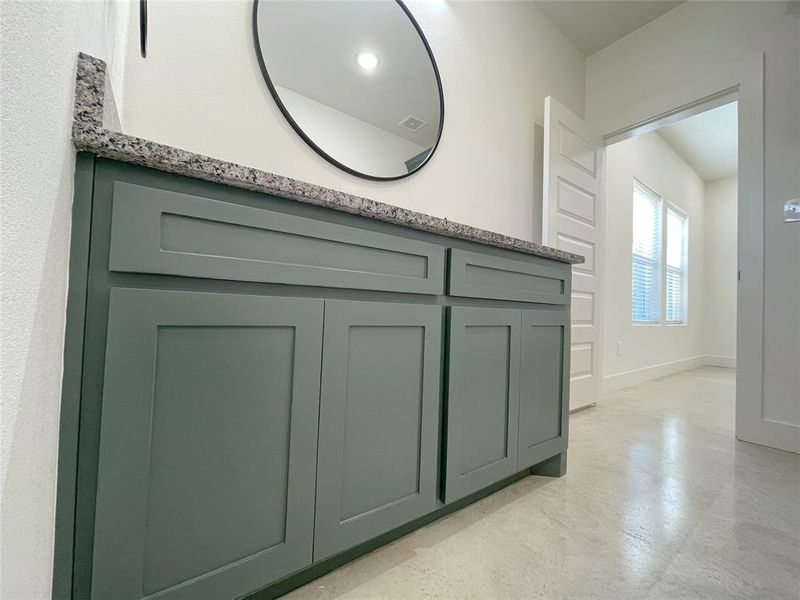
point(552, 467)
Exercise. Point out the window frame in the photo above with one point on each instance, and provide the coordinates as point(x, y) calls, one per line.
point(684, 271)
point(658, 261)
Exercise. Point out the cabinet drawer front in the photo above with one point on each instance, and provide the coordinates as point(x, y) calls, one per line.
point(544, 386)
point(160, 231)
point(208, 444)
point(379, 420)
point(482, 398)
point(475, 275)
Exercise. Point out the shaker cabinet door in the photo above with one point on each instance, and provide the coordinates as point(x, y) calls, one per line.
point(379, 420)
point(544, 380)
point(208, 444)
point(482, 398)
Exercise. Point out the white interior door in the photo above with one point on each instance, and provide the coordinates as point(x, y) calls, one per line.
point(572, 221)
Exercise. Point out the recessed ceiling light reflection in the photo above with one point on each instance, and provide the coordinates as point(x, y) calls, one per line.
point(367, 60)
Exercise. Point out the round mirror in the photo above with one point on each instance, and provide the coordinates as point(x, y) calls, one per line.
point(357, 81)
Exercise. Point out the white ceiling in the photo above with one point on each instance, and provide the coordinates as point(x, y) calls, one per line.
point(594, 24)
point(708, 142)
point(310, 48)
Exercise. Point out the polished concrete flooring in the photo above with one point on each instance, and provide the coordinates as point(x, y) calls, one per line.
point(659, 501)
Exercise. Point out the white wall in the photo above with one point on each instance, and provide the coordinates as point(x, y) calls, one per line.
point(655, 350)
point(719, 296)
point(39, 46)
point(694, 50)
point(200, 88)
point(355, 143)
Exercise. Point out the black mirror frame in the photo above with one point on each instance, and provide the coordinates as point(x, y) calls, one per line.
point(143, 28)
point(310, 142)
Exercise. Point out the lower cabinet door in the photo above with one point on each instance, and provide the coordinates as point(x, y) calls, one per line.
point(208, 444)
point(482, 398)
point(379, 420)
point(544, 381)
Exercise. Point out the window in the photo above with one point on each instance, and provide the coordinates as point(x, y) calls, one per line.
point(676, 266)
point(656, 225)
point(646, 266)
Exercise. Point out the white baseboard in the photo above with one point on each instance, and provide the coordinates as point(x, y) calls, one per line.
point(711, 360)
point(612, 383)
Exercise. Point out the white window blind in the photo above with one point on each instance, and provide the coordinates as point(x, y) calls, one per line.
point(677, 227)
point(646, 267)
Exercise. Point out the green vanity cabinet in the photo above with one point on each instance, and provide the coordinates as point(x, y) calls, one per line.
point(379, 420)
point(258, 390)
point(482, 398)
point(544, 378)
point(208, 444)
point(506, 393)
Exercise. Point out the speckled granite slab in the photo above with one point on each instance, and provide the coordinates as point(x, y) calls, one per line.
point(96, 130)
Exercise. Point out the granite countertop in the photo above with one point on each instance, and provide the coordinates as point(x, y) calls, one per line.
point(96, 130)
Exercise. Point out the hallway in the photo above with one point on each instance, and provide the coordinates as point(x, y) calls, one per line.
point(659, 501)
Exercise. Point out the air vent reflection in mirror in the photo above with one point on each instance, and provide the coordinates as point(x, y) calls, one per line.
point(412, 123)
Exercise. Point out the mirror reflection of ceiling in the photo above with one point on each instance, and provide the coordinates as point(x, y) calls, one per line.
point(311, 46)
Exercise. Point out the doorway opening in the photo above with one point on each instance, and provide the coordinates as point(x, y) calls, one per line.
point(670, 245)
point(641, 315)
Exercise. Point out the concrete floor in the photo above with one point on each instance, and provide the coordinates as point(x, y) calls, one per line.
point(659, 501)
